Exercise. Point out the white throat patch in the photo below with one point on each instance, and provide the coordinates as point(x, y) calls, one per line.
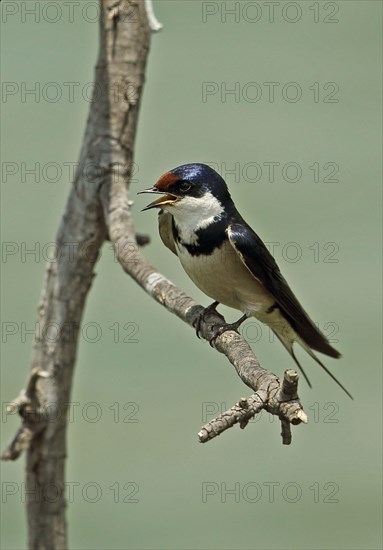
point(193, 213)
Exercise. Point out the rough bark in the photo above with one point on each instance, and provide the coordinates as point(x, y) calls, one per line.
point(107, 147)
point(98, 208)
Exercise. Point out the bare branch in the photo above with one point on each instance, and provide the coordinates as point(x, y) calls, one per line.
point(286, 406)
point(240, 413)
point(112, 122)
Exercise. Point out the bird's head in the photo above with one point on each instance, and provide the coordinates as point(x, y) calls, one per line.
point(191, 191)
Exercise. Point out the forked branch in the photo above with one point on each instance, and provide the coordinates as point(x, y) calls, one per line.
point(98, 208)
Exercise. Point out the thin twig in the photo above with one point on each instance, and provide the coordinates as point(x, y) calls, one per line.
point(154, 24)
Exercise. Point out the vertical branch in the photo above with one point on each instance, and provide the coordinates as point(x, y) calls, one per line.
point(106, 156)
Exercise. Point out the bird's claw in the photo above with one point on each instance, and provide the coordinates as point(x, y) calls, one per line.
point(218, 328)
point(203, 317)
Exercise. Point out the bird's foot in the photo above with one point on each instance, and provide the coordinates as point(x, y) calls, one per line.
point(203, 317)
point(216, 329)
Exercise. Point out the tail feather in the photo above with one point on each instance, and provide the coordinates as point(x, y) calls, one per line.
point(288, 344)
point(311, 335)
point(312, 354)
point(300, 368)
point(324, 347)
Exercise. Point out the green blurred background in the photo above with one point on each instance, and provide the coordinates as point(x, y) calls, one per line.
point(140, 479)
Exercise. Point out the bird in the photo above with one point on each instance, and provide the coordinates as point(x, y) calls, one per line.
point(227, 260)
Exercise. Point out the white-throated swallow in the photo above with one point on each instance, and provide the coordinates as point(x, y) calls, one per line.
point(225, 258)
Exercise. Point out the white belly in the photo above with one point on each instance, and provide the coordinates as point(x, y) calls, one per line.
point(223, 277)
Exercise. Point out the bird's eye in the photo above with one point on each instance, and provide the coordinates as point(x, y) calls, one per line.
point(184, 186)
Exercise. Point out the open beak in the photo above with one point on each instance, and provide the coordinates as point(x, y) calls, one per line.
point(166, 198)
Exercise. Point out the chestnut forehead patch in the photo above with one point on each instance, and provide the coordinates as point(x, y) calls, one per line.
point(167, 179)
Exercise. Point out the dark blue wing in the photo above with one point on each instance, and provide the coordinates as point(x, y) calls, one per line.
point(262, 265)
